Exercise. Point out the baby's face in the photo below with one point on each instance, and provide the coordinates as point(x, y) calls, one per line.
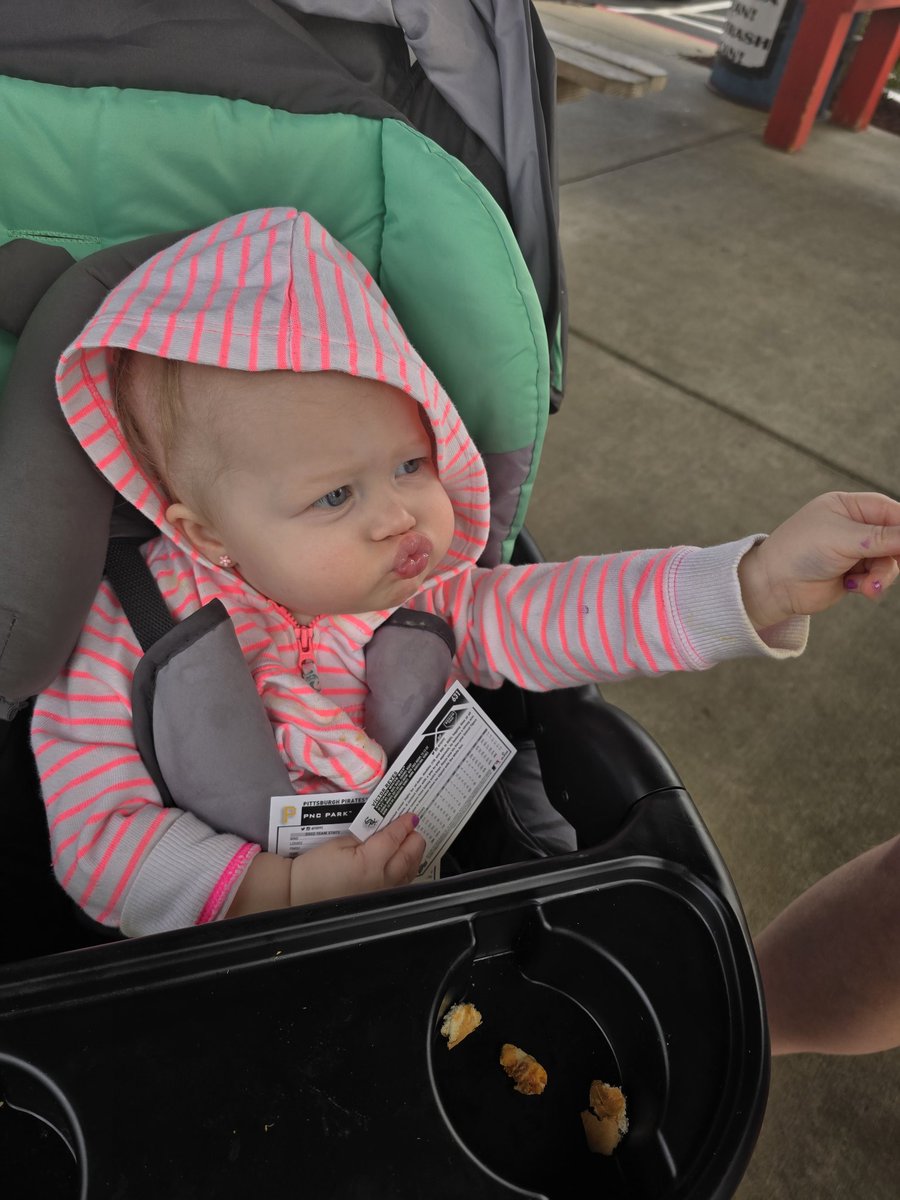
point(329, 500)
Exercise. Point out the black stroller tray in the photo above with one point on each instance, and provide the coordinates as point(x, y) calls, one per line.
point(302, 1052)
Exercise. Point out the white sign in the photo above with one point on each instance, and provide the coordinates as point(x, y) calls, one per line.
point(750, 31)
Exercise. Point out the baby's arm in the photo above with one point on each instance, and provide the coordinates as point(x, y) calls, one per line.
point(839, 542)
point(599, 619)
point(342, 866)
point(125, 859)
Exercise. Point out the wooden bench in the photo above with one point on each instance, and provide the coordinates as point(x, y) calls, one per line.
point(584, 63)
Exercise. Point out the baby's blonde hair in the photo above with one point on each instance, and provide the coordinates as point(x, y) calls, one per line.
point(148, 401)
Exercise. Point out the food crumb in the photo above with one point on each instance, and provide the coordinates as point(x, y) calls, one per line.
point(460, 1021)
point(605, 1121)
point(529, 1076)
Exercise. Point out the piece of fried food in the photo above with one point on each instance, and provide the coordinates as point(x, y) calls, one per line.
point(529, 1076)
point(605, 1121)
point(460, 1021)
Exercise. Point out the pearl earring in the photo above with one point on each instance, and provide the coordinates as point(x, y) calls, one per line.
point(225, 561)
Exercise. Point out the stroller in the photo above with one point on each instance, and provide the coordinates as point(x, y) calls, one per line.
point(589, 917)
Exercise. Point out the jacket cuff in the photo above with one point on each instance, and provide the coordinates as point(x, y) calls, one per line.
point(179, 877)
point(713, 623)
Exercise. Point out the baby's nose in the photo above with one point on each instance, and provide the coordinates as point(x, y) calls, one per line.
point(391, 519)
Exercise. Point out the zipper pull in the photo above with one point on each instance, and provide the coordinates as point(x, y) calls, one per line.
point(307, 664)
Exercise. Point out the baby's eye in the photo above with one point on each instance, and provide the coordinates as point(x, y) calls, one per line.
point(410, 466)
point(333, 499)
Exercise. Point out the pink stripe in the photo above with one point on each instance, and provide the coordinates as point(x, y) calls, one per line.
point(109, 458)
point(121, 786)
point(110, 850)
point(261, 300)
point(135, 343)
point(100, 722)
point(498, 617)
point(88, 845)
point(90, 407)
point(132, 296)
point(626, 657)
point(131, 864)
point(200, 322)
point(121, 484)
point(191, 284)
point(661, 614)
point(636, 617)
point(370, 320)
point(582, 632)
point(228, 320)
point(313, 268)
point(284, 328)
point(48, 745)
point(64, 762)
point(353, 348)
point(564, 608)
point(80, 780)
point(112, 640)
point(220, 892)
point(526, 613)
point(90, 438)
point(601, 618)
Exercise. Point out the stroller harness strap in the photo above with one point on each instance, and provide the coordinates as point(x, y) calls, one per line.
point(199, 724)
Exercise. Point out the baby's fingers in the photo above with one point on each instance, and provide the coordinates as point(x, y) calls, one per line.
point(397, 850)
point(872, 578)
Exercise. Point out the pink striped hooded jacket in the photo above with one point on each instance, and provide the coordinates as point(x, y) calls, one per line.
point(268, 290)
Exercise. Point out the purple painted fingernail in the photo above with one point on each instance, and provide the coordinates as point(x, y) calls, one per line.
point(415, 819)
point(850, 584)
point(876, 586)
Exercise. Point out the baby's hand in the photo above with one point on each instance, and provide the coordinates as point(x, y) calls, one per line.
point(344, 866)
point(839, 542)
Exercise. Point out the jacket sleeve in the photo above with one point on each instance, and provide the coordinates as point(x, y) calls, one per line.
point(124, 858)
point(594, 620)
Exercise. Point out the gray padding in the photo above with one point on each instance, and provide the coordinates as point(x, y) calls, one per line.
point(27, 270)
point(54, 505)
point(212, 741)
point(407, 666)
point(507, 474)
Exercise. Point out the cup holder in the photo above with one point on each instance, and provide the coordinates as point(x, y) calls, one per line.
point(38, 1125)
point(591, 1022)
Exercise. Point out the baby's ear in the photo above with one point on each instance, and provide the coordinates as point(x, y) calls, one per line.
point(194, 529)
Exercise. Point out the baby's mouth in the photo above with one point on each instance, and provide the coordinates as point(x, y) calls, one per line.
point(412, 555)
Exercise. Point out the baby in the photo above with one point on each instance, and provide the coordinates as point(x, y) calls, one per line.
point(250, 390)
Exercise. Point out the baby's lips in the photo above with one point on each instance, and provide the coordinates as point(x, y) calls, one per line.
point(412, 555)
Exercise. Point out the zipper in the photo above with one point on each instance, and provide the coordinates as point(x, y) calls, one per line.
point(307, 663)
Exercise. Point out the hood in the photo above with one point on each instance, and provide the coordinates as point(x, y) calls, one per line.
point(265, 290)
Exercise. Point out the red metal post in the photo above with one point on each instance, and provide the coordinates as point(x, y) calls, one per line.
point(819, 41)
point(873, 61)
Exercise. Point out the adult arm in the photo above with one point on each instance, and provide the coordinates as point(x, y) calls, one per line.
point(830, 962)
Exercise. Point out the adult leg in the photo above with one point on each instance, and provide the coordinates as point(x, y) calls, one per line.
point(830, 962)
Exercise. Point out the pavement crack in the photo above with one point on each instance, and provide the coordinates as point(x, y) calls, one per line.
point(657, 154)
point(870, 485)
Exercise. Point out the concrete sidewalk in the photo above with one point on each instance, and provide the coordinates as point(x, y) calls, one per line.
point(734, 352)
